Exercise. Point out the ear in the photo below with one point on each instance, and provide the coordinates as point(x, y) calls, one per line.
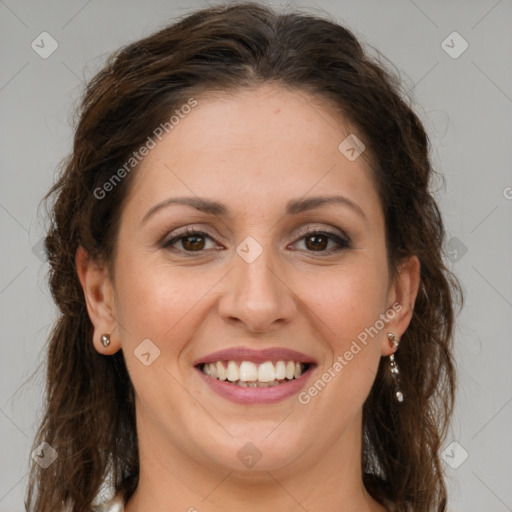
point(99, 298)
point(401, 299)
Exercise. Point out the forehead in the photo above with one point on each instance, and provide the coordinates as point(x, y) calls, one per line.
point(257, 146)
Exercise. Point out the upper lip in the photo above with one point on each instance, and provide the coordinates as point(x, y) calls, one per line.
point(255, 356)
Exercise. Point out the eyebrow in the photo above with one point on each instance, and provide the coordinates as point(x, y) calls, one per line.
point(296, 206)
point(293, 207)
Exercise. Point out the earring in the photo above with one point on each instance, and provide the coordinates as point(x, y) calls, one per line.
point(105, 340)
point(393, 339)
point(394, 368)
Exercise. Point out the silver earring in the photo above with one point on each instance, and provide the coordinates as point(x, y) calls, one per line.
point(394, 369)
point(105, 340)
point(393, 339)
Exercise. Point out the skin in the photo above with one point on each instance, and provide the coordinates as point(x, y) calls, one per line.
point(252, 151)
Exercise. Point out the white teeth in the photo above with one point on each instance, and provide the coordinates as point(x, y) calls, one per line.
point(221, 371)
point(290, 370)
point(248, 371)
point(266, 372)
point(232, 372)
point(249, 374)
point(280, 370)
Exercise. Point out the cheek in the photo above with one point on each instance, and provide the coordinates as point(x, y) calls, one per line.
point(349, 305)
point(153, 299)
point(348, 300)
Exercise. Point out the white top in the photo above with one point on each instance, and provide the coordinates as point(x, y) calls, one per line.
point(116, 504)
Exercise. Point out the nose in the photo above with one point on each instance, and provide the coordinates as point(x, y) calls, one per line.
point(256, 296)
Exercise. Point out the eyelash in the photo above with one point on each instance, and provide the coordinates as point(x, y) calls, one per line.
point(343, 243)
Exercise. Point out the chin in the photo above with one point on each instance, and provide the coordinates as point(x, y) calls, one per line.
point(250, 452)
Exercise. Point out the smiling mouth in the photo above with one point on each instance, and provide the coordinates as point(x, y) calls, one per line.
point(251, 375)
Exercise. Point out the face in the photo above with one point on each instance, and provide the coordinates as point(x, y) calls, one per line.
point(228, 242)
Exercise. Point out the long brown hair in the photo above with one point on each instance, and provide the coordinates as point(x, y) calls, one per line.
point(90, 416)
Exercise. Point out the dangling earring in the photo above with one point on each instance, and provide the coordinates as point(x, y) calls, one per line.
point(105, 340)
point(394, 368)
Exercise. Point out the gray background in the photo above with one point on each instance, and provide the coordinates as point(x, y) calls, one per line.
point(466, 104)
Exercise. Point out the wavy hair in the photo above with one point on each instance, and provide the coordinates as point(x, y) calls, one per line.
point(89, 413)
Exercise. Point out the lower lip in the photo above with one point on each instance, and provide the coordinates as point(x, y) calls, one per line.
point(269, 395)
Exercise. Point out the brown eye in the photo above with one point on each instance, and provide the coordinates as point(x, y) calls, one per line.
point(317, 242)
point(323, 242)
point(192, 243)
point(189, 241)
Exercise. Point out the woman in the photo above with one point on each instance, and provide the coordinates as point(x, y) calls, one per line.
point(254, 310)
